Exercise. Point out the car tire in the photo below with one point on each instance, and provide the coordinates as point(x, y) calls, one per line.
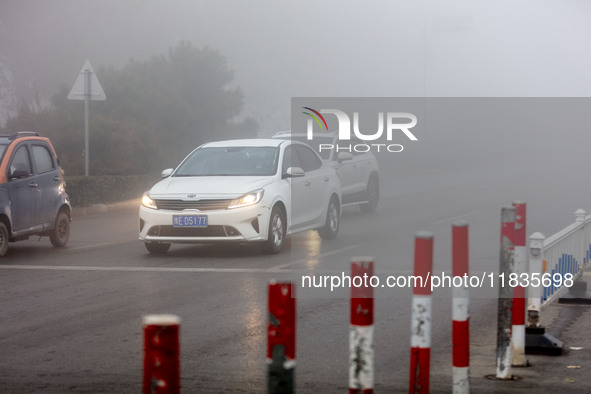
point(157, 247)
point(373, 195)
point(60, 234)
point(3, 239)
point(333, 220)
point(276, 232)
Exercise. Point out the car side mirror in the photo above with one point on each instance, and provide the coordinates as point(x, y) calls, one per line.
point(19, 173)
point(294, 172)
point(166, 173)
point(342, 156)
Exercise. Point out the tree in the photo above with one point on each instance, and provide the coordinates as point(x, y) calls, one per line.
point(156, 112)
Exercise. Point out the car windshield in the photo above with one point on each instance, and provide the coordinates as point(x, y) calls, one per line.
point(314, 144)
point(2, 149)
point(230, 161)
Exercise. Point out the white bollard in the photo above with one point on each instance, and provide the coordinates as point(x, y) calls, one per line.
point(505, 295)
point(536, 268)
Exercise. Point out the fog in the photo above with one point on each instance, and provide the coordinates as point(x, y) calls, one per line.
point(309, 48)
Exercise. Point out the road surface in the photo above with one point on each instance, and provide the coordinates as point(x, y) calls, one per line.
point(71, 318)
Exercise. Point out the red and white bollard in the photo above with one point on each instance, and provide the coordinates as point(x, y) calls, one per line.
point(521, 266)
point(361, 370)
point(505, 295)
point(537, 267)
point(460, 310)
point(281, 338)
point(161, 354)
point(420, 335)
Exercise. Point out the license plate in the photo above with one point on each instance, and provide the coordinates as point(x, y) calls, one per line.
point(189, 221)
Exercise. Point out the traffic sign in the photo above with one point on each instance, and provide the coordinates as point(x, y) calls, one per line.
point(87, 85)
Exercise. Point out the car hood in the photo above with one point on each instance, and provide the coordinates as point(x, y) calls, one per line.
point(207, 186)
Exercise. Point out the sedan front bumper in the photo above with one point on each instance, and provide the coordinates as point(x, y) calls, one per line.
point(244, 224)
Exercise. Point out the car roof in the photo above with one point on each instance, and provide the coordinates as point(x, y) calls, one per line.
point(244, 142)
point(19, 134)
point(288, 133)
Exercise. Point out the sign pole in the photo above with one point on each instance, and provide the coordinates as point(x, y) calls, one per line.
point(86, 87)
point(87, 91)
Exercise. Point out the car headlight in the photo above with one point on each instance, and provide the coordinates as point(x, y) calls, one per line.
point(250, 198)
point(148, 202)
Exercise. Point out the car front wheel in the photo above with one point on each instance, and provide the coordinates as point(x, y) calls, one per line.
point(331, 228)
point(61, 231)
point(3, 239)
point(276, 235)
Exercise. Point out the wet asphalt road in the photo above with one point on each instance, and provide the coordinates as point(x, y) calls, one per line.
point(71, 318)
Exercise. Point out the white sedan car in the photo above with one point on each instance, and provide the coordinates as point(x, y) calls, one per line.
point(250, 190)
point(357, 170)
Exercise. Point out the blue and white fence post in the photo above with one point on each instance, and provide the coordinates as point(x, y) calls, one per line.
point(574, 263)
point(537, 341)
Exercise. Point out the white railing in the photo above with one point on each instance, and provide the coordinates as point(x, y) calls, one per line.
point(566, 252)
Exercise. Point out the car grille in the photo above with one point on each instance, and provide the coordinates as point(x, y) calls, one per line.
point(209, 231)
point(202, 205)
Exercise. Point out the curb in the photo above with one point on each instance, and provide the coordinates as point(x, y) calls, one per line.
point(566, 373)
point(98, 209)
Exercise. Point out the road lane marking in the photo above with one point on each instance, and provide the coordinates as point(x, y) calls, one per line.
point(306, 259)
point(279, 269)
point(454, 218)
point(97, 246)
point(145, 269)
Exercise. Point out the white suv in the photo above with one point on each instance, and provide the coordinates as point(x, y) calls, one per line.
point(251, 190)
point(357, 171)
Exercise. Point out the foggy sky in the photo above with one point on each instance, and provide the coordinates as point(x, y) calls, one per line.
point(314, 48)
